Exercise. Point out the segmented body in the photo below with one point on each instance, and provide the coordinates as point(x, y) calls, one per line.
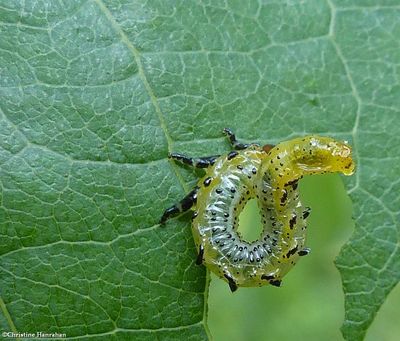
point(271, 178)
point(224, 191)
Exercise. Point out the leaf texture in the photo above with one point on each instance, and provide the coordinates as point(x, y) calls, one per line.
point(95, 93)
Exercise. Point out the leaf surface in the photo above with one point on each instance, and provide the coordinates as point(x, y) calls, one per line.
point(94, 94)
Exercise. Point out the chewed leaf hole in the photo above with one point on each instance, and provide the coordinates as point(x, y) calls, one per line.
point(250, 224)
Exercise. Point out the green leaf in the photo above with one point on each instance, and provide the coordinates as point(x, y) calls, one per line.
point(370, 262)
point(94, 94)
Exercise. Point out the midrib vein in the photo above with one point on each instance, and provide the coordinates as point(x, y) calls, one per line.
point(146, 84)
point(163, 125)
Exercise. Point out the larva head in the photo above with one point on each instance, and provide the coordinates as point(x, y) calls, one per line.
point(316, 154)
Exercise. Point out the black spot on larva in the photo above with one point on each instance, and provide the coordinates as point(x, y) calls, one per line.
point(240, 167)
point(284, 197)
point(275, 283)
point(213, 219)
point(267, 277)
point(233, 189)
point(232, 154)
point(264, 191)
point(195, 214)
point(213, 213)
point(226, 215)
point(292, 221)
point(207, 181)
point(292, 183)
point(218, 190)
point(248, 192)
point(292, 251)
point(254, 171)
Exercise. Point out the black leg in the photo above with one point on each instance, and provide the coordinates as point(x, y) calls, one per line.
point(185, 204)
point(304, 252)
point(199, 259)
point(232, 138)
point(201, 162)
point(231, 282)
point(275, 283)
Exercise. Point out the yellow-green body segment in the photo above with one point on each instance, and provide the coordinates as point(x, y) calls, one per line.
point(270, 177)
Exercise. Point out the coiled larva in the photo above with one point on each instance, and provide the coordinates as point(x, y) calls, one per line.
point(270, 174)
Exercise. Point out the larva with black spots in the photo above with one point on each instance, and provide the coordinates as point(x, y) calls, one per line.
point(270, 174)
